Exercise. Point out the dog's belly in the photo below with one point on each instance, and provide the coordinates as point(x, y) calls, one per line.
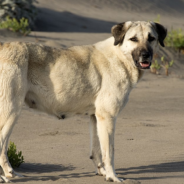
point(60, 108)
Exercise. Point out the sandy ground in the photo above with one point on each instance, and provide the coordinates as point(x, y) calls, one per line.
point(149, 136)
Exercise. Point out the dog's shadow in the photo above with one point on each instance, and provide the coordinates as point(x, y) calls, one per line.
point(165, 168)
point(43, 168)
point(40, 172)
point(44, 172)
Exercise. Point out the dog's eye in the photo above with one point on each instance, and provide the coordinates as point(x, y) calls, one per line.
point(151, 38)
point(134, 39)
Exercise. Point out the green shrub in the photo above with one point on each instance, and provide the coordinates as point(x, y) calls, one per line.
point(15, 158)
point(175, 39)
point(166, 64)
point(18, 9)
point(162, 63)
point(14, 25)
point(155, 67)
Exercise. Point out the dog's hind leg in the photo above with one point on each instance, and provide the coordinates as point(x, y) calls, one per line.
point(13, 81)
point(8, 116)
point(95, 151)
point(4, 162)
point(4, 136)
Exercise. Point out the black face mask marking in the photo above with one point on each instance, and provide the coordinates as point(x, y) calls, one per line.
point(142, 57)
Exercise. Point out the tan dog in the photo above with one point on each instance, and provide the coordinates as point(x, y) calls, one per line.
point(94, 79)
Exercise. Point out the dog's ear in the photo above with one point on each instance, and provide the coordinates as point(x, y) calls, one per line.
point(162, 32)
point(119, 31)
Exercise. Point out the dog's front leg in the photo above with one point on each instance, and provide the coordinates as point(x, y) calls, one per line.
point(106, 130)
point(95, 151)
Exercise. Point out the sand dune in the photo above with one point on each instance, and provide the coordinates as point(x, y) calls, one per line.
point(94, 15)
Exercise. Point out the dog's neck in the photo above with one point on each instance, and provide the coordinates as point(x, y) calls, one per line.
point(134, 74)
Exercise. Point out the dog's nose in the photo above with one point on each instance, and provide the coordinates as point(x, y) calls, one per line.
point(145, 54)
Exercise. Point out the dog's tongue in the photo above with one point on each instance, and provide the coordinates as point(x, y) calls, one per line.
point(145, 64)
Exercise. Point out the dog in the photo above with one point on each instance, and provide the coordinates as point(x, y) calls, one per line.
point(93, 79)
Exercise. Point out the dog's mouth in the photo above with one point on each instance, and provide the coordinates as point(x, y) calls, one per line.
point(145, 64)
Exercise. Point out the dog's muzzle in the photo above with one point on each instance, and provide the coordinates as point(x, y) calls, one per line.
point(144, 60)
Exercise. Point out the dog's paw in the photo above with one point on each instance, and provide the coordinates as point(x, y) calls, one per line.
point(4, 179)
point(13, 174)
point(17, 175)
point(101, 171)
point(113, 179)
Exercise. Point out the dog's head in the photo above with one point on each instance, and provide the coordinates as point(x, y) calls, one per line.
point(139, 40)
